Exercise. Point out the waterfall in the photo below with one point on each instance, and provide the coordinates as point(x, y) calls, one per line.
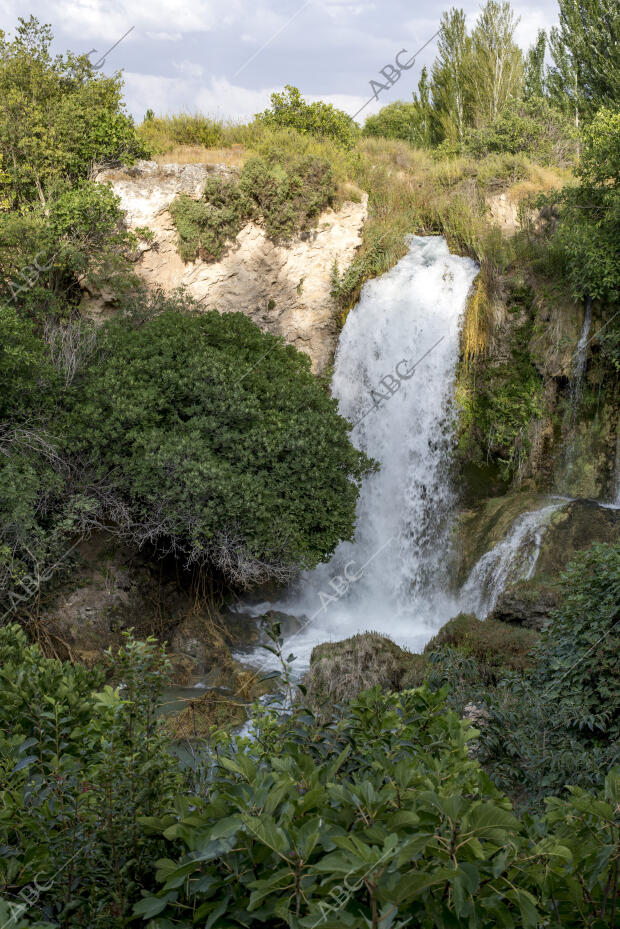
point(394, 379)
point(616, 495)
point(578, 366)
point(512, 559)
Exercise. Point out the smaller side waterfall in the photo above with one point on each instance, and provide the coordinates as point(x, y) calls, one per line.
point(512, 559)
point(579, 360)
point(616, 494)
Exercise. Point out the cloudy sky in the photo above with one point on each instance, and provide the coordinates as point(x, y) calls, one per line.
point(225, 57)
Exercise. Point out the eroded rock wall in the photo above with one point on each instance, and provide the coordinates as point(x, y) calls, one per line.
point(285, 288)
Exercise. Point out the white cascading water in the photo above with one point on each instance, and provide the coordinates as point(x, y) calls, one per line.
point(514, 558)
point(578, 367)
point(393, 578)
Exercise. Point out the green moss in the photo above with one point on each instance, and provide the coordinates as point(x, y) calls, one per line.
point(499, 401)
point(495, 647)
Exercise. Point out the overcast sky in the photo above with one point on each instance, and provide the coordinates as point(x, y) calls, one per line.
point(225, 57)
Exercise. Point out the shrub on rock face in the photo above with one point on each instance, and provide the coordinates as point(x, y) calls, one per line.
point(284, 195)
point(210, 439)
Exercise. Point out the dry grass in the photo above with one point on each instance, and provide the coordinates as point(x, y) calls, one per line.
point(339, 671)
point(234, 156)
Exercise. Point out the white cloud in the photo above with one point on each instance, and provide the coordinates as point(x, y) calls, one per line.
point(188, 69)
point(164, 36)
point(533, 19)
point(109, 20)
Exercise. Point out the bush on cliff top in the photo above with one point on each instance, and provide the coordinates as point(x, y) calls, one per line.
point(284, 195)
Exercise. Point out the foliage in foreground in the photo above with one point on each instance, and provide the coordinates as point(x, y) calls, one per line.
point(559, 722)
point(381, 819)
point(79, 763)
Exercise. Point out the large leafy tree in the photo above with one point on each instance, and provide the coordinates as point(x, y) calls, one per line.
point(58, 117)
point(204, 436)
point(586, 56)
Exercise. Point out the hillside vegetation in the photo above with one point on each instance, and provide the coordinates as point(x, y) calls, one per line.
point(208, 446)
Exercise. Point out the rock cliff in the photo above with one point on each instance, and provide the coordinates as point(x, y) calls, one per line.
point(284, 288)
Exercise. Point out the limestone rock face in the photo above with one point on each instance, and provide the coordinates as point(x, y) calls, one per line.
point(285, 289)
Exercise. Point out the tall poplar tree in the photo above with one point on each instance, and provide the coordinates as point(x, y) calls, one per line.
point(449, 85)
point(495, 63)
point(586, 56)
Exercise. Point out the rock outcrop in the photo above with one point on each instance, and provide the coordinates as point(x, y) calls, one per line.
point(285, 289)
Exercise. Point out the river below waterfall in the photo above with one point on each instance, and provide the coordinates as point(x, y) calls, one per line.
point(394, 379)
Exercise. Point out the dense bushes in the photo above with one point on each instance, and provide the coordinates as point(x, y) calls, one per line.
point(284, 195)
point(205, 226)
point(533, 128)
point(559, 722)
point(196, 434)
point(206, 437)
point(79, 763)
point(589, 225)
point(381, 818)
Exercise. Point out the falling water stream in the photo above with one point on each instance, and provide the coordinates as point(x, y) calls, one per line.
point(394, 378)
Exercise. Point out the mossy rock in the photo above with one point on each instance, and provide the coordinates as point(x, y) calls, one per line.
point(495, 646)
point(527, 603)
point(339, 671)
point(480, 528)
point(575, 527)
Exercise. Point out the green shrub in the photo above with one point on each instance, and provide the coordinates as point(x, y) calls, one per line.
point(204, 228)
point(587, 231)
point(285, 195)
point(206, 437)
point(288, 197)
point(578, 654)
point(556, 722)
point(533, 128)
point(79, 764)
point(398, 120)
point(289, 110)
point(380, 819)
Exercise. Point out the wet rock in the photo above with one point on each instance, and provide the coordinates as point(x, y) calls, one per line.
point(527, 605)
